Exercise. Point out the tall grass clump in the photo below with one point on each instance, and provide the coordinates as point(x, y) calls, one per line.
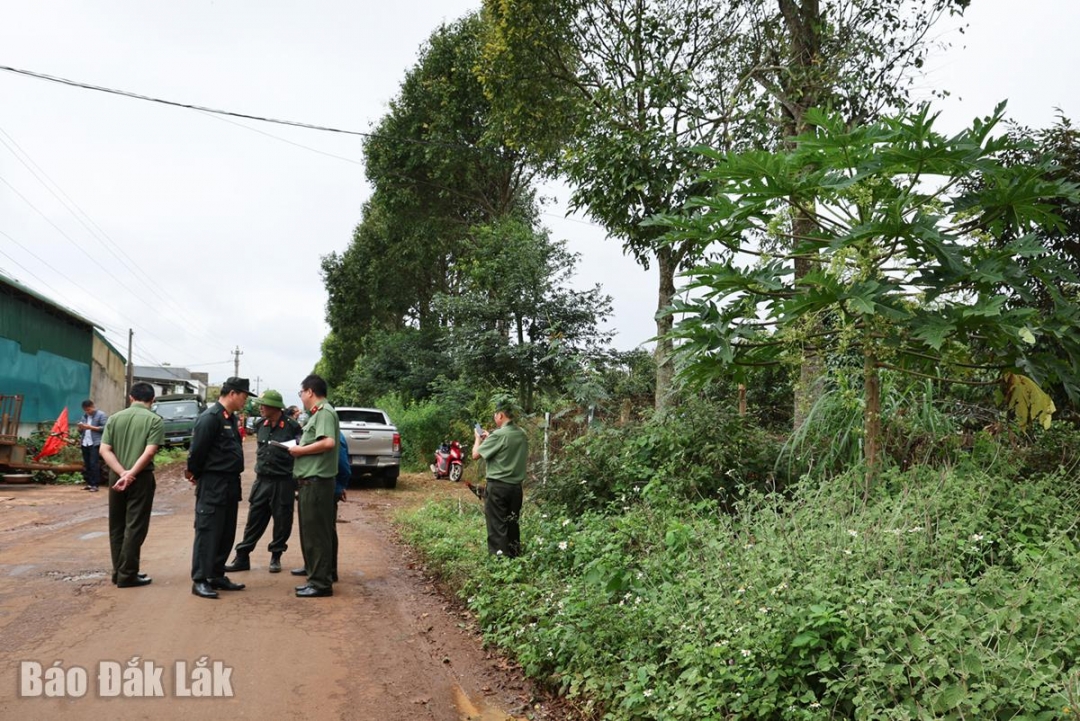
point(916, 429)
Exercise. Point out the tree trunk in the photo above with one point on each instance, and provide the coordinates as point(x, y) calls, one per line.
point(871, 418)
point(801, 91)
point(665, 370)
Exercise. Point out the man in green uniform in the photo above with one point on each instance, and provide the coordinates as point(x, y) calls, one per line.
point(506, 450)
point(214, 465)
point(274, 491)
point(128, 444)
point(316, 466)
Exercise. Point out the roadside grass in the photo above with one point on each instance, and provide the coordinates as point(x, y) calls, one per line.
point(947, 594)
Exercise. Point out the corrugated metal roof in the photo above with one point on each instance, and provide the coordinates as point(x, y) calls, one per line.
point(9, 281)
point(164, 373)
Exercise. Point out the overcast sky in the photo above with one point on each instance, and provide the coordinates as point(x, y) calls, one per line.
point(204, 234)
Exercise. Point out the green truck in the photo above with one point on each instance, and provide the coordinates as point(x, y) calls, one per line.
point(179, 412)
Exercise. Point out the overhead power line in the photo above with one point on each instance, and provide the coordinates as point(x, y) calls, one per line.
point(174, 103)
point(232, 113)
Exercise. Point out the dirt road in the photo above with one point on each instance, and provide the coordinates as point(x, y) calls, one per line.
point(386, 647)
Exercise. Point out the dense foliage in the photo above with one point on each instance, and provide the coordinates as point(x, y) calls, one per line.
point(904, 274)
point(946, 595)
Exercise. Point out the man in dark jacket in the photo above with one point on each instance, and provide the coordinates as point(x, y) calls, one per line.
point(274, 491)
point(214, 465)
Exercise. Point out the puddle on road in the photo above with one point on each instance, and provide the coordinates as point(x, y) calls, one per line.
point(477, 711)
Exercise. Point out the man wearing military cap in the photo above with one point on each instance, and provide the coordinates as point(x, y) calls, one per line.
point(506, 450)
point(274, 489)
point(214, 465)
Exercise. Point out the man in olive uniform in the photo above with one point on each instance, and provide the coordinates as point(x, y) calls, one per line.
point(315, 468)
point(214, 465)
point(128, 444)
point(274, 491)
point(506, 450)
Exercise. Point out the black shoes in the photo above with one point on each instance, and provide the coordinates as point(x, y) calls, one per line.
point(242, 562)
point(141, 580)
point(141, 575)
point(299, 572)
point(310, 591)
point(203, 590)
point(224, 584)
point(275, 563)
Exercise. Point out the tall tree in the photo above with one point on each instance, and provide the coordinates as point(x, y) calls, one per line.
point(614, 93)
point(514, 322)
point(852, 56)
point(437, 171)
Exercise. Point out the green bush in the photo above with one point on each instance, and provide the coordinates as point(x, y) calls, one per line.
point(423, 426)
point(947, 594)
point(705, 450)
point(1048, 450)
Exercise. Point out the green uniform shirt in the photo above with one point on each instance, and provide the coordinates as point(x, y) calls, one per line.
point(275, 460)
point(131, 430)
point(506, 451)
point(322, 423)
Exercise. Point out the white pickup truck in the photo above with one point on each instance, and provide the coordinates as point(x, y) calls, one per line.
point(374, 443)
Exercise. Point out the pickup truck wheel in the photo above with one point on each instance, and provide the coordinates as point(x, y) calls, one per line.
point(390, 478)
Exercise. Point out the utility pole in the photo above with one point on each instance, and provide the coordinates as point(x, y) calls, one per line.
point(258, 380)
point(236, 362)
point(130, 368)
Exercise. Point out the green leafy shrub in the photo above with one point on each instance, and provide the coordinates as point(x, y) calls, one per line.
point(1050, 449)
point(705, 450)
point(423, 426)
point(946, 594)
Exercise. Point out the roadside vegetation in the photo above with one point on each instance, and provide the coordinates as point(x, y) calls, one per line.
point(843, 484)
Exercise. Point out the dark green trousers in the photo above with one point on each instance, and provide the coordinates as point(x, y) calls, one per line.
point(129, 522)
point(271, 498)
point(502, 512)
point(318, 536)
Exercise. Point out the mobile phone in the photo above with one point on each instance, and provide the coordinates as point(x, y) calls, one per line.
point(478, 428)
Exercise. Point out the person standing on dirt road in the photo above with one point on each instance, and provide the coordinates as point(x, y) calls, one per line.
point(273, 494)
point(214, 465)
point(128, 444)
point(92, 424)
point(316, 467)
point(506, 450)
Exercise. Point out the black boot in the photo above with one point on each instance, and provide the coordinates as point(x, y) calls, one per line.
point(241, 563)
point(275, 563)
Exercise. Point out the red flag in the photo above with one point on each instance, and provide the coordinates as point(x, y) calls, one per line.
point(57, 437)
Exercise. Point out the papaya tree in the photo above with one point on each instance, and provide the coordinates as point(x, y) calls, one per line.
point(912, 267)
